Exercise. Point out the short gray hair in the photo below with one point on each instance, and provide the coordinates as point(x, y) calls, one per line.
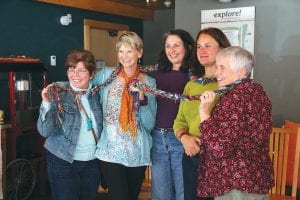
point(130, 39)
point(238, 58)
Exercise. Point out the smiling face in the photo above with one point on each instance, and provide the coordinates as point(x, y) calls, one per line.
point(225, 73)
point(128, 56)
point(207, 50)
point(175, 51)
point(79, 76)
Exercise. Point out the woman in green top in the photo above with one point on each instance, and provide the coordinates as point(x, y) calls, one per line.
point(209, 42)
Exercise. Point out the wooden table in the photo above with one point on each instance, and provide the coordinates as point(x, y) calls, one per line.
point(3, 128)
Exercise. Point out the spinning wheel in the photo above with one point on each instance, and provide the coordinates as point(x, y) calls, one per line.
point(20, 180)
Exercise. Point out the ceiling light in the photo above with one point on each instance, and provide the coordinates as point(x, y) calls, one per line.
point(224, 1)
point(167, 3)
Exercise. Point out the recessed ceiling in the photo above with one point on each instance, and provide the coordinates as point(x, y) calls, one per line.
point(153, 4)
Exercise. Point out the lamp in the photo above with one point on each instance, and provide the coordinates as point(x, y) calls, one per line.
point(66, 20)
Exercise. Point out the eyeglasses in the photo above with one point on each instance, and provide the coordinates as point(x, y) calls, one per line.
point(78, 71)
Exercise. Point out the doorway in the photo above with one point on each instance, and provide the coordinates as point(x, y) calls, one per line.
point(100, 38)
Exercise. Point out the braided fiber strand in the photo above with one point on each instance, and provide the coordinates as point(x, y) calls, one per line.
point(180, 97)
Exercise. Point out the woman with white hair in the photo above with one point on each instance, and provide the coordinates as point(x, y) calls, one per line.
point(235, 163)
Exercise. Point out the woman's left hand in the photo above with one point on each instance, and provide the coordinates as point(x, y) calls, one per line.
point(207, 99)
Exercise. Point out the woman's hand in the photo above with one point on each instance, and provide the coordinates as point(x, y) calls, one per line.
point(45, 95)
point(207, 99)
point(191, 144)
point(135, 89)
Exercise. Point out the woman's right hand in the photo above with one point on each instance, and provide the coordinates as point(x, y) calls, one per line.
point(191, 144)
point(45, 95)
point(206, 101)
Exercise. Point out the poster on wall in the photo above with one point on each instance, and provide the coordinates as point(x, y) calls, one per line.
point(236, 23)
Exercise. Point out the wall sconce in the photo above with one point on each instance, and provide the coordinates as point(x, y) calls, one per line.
point(66, 20)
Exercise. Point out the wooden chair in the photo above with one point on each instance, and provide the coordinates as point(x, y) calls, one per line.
point(291, 157)
point(279, 150)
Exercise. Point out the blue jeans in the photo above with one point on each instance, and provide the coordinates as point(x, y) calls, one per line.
point(166, 171)
point(73, 181)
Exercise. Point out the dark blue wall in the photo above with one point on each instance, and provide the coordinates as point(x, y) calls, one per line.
point(32, 28)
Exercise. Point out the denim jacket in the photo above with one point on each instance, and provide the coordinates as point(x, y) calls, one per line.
point(61, 140)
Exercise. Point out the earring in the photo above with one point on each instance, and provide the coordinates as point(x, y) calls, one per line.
point(139, 61)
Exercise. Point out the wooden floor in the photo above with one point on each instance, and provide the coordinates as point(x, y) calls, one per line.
point(146, 191)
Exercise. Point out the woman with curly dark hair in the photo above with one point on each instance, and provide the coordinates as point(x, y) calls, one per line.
point(166, 152)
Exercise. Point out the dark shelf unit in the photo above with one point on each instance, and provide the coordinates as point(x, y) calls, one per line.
point(20, 88)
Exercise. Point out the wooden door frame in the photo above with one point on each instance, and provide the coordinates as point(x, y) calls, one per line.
point(88, 24)
point(107, 6)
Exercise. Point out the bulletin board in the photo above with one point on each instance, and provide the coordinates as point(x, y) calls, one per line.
point(236, 23)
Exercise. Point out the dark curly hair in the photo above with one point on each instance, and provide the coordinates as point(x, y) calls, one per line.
point(189, 44)
point(197, 69)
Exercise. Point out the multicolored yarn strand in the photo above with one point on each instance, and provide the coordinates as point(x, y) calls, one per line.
point(172, 96)
point(205, 80)
point(148, 68)
point(113, 76)
point(54, 91)
point(56, 88)
point(110, 79)
point(180, 97)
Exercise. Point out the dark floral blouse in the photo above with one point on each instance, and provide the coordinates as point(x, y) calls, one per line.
point(235, 143)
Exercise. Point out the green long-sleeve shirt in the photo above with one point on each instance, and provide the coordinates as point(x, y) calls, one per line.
point(188, 113)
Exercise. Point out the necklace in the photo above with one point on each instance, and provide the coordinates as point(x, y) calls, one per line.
point(54, 96)
point(89, 121)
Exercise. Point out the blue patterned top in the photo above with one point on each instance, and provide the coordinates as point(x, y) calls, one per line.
point(115, 145)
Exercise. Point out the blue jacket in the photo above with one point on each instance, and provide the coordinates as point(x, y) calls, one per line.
point(61, 140)
point(114, 145)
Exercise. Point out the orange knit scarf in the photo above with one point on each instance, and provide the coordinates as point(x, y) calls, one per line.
point(127, 116)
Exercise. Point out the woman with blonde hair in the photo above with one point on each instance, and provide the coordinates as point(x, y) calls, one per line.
point(128, 118)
